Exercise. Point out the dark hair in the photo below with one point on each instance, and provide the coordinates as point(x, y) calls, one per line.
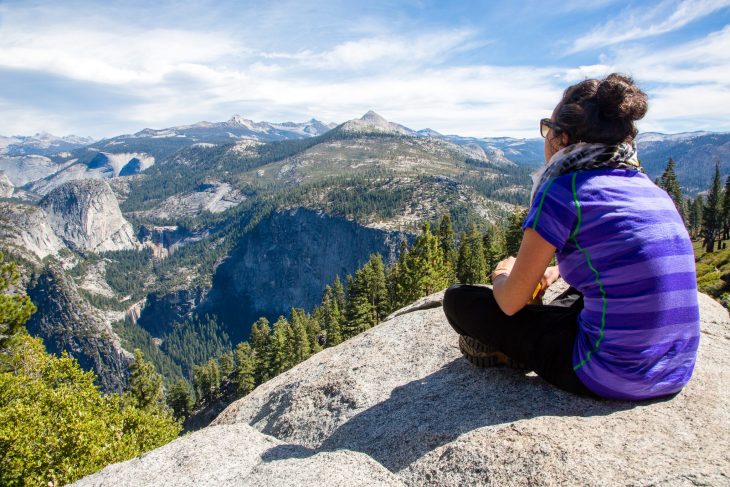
point(602, 110)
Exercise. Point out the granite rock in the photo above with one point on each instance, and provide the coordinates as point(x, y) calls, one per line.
point(398, 403)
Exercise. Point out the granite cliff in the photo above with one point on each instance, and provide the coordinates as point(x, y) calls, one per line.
point(68, 323)
point(24, 230)
point(398, 405)
point(86, 215)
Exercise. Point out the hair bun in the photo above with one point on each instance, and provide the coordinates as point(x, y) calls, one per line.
point(620, 99)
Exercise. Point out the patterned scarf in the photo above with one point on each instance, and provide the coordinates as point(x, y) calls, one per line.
point(584, 156)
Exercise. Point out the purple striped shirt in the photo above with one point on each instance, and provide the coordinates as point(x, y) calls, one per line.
point(621, 242)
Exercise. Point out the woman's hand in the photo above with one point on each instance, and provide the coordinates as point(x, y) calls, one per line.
point(515, 279)
point(504, 267)
point(551, 275)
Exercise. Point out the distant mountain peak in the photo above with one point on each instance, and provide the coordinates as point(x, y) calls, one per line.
point(373, 117)
point(372, 123)
point(239, 120)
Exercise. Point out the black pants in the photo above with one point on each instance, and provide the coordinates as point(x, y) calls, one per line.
point(540, 336)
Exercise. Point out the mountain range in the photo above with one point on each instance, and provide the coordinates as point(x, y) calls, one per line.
point(143, 240)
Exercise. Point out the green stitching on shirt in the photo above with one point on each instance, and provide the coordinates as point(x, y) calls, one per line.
point(542, 200)
point(598, 279)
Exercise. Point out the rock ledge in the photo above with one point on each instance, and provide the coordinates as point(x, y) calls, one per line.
point(398, 405)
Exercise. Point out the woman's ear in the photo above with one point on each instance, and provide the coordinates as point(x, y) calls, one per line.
point(564, 139)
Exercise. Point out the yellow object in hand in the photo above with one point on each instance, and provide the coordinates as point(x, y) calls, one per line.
point(537, 290)
point(535, 294)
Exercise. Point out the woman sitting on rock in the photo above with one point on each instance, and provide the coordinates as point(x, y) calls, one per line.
point(628, 328)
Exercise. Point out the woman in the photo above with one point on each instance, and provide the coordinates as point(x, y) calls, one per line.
point(628, 328)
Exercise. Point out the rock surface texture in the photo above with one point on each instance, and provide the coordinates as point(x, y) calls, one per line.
point(398, 405)
point(86, 215)
point(6, 186)
point(68, 323)
point(25, 230)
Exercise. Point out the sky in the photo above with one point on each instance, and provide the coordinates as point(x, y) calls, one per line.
point(473, 68)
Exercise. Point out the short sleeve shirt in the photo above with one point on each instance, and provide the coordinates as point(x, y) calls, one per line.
point(621, 242)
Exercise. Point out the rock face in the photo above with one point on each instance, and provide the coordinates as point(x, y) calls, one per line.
point(283, 262)
point(66, 322)
point(6, 186)
point(160, 312)
point(25, 230)
point(398, 405)
point(86, 215)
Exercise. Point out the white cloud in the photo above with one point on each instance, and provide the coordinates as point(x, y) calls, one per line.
point(172, 76)
point(634, 23)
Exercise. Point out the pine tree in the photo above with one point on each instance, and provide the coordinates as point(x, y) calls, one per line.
point(696, 216)
point(226, 365)
point(261, 343)
point(15, 309)
point(472, 267)
point(180, 399)
point(300, 346)
point(338, 293)
point(145, 385)
point(712, 212)
point(360, 310)
point(462, 264)
point(244, 374)
point(448, 247)
point(331, 318)
point(726, 210)
point(57, 426)
point(426, 266)
point(494, 247)
point(668, 182)
point(207, 381)
point(280, 358)
point(513, 235)
point(397, 280)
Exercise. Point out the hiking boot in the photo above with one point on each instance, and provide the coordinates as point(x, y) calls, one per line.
point(484, 355)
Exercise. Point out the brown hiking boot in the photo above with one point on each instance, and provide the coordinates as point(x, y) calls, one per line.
point(483, 355)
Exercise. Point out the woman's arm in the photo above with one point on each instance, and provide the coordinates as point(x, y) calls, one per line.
point(516, 278)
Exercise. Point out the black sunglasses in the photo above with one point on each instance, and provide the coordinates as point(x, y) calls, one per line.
point(546, 125)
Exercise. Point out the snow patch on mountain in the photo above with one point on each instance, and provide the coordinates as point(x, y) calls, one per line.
point(41, 144)
point(659, 137)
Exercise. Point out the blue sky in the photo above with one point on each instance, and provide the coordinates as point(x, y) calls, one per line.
point(472, 68)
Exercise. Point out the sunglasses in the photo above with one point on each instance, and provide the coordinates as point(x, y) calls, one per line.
point(546, 125)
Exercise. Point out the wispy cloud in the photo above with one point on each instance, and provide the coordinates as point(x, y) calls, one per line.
point(639, 23)
point(100, 72)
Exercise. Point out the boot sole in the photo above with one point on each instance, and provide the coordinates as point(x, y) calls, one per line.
point(482, 355)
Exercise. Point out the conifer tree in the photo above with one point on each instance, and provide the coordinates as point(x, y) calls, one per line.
point(494, 247)
point(462, 263)
point(398, 279)
point(207, 381)
point(244, 375)
point(300, 346)
point(280, 359)
point(226, 365)
point(180, 399)
point(668, 182)
point(331, 318)
point(261, 343)
point(472, 263)
point(448, 246)
point(361, 312)
point(145, 385)
point(712, 212)
point(726, 210)
point(15, 309)
point(426, 270)
point(696, 216)
point(338, 294)
point(513, 235)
